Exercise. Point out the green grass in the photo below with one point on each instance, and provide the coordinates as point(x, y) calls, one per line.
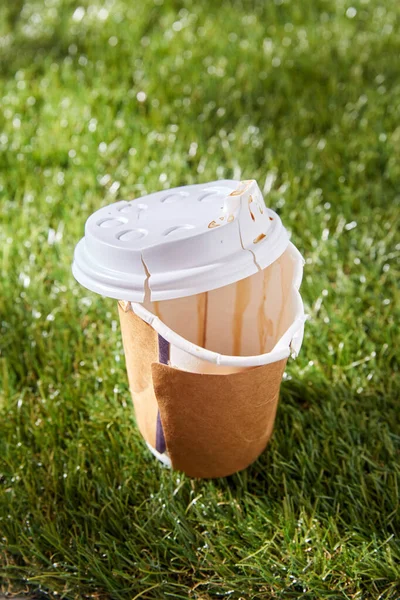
point(303, 94)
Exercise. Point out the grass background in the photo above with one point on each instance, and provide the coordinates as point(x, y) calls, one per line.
point(112, 99)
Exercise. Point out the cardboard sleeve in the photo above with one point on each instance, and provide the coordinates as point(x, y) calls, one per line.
point(214, 425)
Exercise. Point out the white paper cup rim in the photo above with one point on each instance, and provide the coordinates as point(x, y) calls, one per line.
point(288, 344)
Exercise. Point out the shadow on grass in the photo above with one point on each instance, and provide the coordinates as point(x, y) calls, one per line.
point(332, 454)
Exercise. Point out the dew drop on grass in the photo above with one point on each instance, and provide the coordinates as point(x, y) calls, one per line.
point(24, 279)
point(78, 14)
point(350, 226)
point(92, 125)
point(114, 187)
point(102, 14)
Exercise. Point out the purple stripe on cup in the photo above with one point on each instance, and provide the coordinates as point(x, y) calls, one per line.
point(163, 357)
point(163, 350)
point(160, 440)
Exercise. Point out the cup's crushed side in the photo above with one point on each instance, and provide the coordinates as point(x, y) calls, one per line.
point(213, 425)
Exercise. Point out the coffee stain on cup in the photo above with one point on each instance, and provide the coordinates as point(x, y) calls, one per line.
point(242, 299)
point(213, 224)
point(202, 305)
point(230, 218)
point(259, 238)
point(156, 309)
point(265, 325)
point(242, 187)
point(251, 212)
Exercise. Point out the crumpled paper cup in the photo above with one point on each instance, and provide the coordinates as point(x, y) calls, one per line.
point(205, 370)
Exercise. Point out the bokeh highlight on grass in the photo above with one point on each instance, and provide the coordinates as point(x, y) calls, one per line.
point(108, 100)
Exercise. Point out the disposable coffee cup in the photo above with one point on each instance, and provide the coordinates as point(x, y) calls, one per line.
point(207, 284)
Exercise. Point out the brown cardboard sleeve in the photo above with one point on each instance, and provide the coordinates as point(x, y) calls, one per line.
point(214, 425)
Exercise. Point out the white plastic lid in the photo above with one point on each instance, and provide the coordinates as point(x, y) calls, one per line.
point(179, 242)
